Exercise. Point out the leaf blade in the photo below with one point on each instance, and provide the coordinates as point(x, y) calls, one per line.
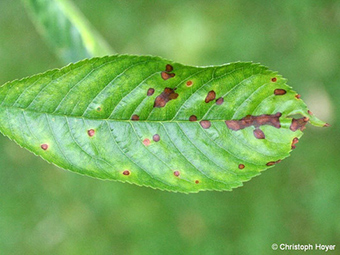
point(87, 115)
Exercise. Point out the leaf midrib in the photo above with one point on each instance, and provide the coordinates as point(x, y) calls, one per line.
point(123, 120)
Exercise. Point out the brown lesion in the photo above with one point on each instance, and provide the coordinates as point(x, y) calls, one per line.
point(210, 97)
point(256, 121)
point(167, 73)
point(294, 142)
point(44, 146)
point(258, 133)
point(156, 138)
point(126, 172)
point(299, 124)
point(205, 124)
point(135, 117)
point(91, 132)
point(176, 173)
point(150, 92)
point(279, 92)
point(271, 163)
point(219, 101)
point(193, 118)
point(167, 95)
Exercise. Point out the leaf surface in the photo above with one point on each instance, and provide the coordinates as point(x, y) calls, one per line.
point(67, 31)
point(149, 121)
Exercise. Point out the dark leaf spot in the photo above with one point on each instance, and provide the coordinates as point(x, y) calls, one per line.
point(156, 138)
point(197, 181)
point(256, 121)
point(258, 133)
point(91, 132)
point(99, 109)
point(279, 92)
point(126, 172)
point(294, 142)
point(189, 83)
point(193, 118)
point(166, 75)
point(274, 79)
point(271, 163)
point(220, 101)
point(176, 173)
point(297, 96)
point(205, 124)
point(146, 142)
point(167, 95)
point(241, 166)
point(169, 68)
point(310, 113)
point(150, 92)
point(299, 124)
point(135, 117)
point(44, 146)
point(210, 97)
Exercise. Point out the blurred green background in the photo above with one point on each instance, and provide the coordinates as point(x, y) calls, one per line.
point(46, 210)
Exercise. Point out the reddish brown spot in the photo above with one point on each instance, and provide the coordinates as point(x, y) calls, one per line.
point(294, 142)
point(189, 83)
point(279, 92)
point(274, 79)
point(256, 121)
point(258, 133)
point(297, 96)
point(271, 163)
point(99, 109)
point(135, 117)
point(167, 95)
point(150, 92)
point(193, 118)
point(299, 124)
point(241, 166)
point(146, 142)
point(126, 172)
point(327, 125)
point(156, 138)
point(166, 75)
point(310, 113)
point(44, 146)
point(220, 101)
point(91, 132)
point(176, 173)
point(197, 181)
point(205, 124)
point(210, 97)
point(169, 68)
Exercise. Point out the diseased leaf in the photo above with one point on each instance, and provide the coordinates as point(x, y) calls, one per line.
point(152, 122)
point(67, 31)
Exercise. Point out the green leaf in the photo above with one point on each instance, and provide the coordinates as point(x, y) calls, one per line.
point(63, 26)
point(149, 121)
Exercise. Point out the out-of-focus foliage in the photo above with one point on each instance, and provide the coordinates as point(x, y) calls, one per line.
point(69, 34)
point(49, 211)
